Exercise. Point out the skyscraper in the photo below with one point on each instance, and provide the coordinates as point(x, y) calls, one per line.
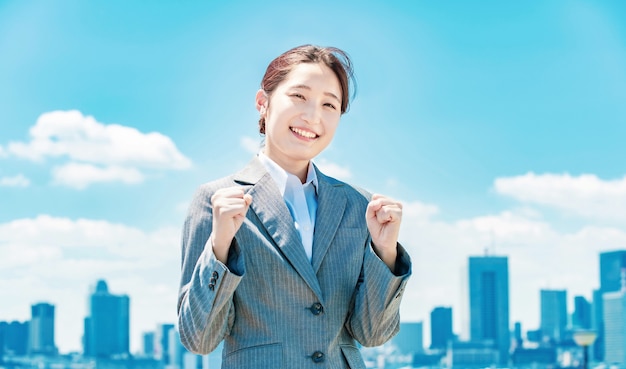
point(410, 338)
point(611, 265)
point(553, 314)
point(489, 302)
point(107, 326)
point(615, 328)
point(41, 330)
point(440, 327)
point(581, 318)
point(148, 344)
point(16, 338)
point(161, 342)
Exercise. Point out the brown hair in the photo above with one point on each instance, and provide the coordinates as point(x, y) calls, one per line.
point(336, 59)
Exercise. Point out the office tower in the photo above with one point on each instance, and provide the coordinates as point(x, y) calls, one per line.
point(176, 350)
point(614, 317)
point(517, 334)
point(3, 333)
point(107, 327)
point(148, 344)
point(598, 325)
point(553, 314)
point(611, 265)
point(161, 343)
point(489, 302)
point(410, 338)
point(581, 318)
point(16, 338)
point(440, 327)
point(41, 330)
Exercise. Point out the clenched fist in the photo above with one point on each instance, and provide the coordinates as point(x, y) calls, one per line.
point(383, 216)
point(230, 206)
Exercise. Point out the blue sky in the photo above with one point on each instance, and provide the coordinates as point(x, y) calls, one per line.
point(499, 125)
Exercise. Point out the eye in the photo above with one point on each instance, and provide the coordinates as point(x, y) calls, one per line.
point(297, 96)
point(330, 106)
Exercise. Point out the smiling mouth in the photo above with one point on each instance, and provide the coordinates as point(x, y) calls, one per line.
point(303, 133)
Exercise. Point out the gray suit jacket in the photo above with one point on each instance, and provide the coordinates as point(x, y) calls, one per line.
point(271, 306)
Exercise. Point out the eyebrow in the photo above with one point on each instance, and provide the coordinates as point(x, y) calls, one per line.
point(330, 94)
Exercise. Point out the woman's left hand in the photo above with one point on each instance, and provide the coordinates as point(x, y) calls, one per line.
point(383, 218)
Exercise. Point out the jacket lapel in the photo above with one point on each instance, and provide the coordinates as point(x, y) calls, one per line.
point(270, 208)
point(331, 204)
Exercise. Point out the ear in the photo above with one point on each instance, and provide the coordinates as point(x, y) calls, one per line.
point(261, 101)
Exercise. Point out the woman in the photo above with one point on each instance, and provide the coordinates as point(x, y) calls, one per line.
point(288, 266)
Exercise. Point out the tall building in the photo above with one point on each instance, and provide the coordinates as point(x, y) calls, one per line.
point(440, 327)
point(107, 328)
point(611, 265)
point(16, 338)
point(517, 334)
point(41, 330)
point(581, 318)
point(410, 338)
point(148, 344)
point(489, 303)
point(162, 342)
point(598, 325)
point(615, 328)
point(553, 314)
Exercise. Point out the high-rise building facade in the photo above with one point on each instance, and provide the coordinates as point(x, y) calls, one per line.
point(553, 314)
point(582, 316)
point(107, 328)
point(41, 330)
point(441, 331)
point(489, 302)
point(615, 328)
point(16, 338)
point(410, 338)
point(148, 344)
point(162, 342)
point(611, 265)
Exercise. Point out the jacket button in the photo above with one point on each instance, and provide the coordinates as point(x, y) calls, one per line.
point(317, 357)
point(316, 308)
point(211, 286)
point(215, 275)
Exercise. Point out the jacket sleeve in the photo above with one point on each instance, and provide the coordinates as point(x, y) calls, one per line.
point(375, 306)
point(205, 298)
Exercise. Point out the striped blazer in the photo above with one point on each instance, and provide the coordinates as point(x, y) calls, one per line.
point(271, 306)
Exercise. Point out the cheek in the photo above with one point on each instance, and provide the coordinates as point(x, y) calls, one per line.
point(332, 124)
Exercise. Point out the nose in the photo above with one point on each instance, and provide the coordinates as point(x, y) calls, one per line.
point(312, 113)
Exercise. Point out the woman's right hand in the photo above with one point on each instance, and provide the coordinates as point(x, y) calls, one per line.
point(230, 206)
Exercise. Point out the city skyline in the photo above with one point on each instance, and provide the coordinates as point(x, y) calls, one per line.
point(488, 323)
point(498, 125)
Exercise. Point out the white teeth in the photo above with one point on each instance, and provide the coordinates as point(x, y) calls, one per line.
point(304, 133)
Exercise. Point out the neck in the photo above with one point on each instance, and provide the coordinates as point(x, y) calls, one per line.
point(299, 168)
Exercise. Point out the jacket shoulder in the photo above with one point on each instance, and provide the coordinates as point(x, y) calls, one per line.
point(352, 191)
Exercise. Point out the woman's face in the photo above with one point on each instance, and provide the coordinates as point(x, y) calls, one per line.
point(301, 115)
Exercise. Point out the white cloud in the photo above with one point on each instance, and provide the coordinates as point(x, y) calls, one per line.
point(16, 181)
point(58, 259)
point(251, 145)
point(334, 170)
point(80, 176)
point(585, 195)
point(109, 152)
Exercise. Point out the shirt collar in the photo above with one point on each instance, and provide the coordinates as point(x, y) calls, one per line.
point(279, 175)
